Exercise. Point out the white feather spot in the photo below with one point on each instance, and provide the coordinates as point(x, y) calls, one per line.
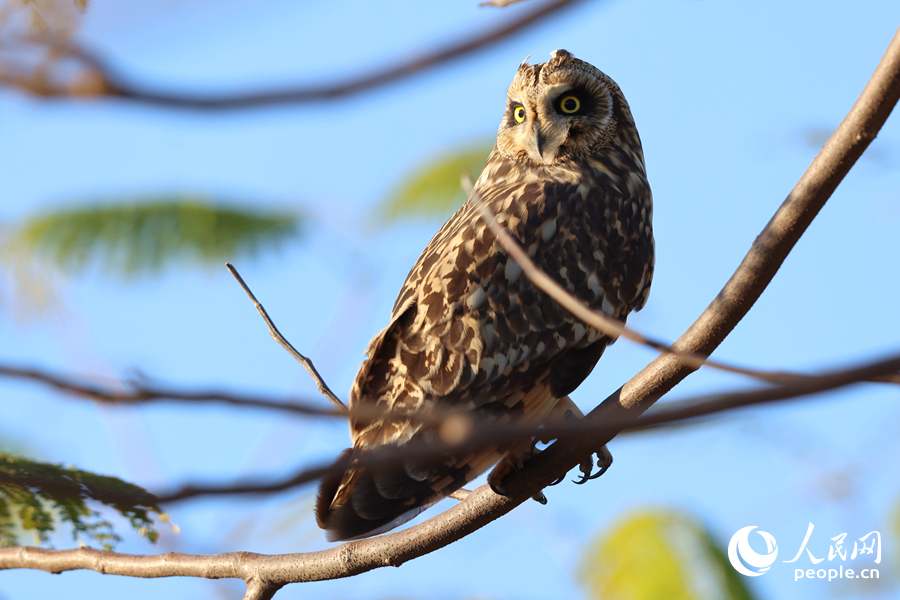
point(513, 270)
point(501, 362)
point(513, 356)
point(476, 298)
point(607, 307)
point(578, 331)
point(594, 285)
point(490, 337)
point(549, 230)
point(487, 364)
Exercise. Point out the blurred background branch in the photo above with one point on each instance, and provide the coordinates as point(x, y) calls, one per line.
point(55, 76)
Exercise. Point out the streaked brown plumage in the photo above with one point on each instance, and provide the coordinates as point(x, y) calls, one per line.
point(468, 330)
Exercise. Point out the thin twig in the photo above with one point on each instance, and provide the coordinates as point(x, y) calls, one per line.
point(114, 85)
point(276, 335)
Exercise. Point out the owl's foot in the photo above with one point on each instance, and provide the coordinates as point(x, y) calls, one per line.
point(524, 451)
point(511, 463)
point(604, 461)
point(571, 412)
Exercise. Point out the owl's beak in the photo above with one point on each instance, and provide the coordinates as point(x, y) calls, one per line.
point(540, 140)
point(542, 145)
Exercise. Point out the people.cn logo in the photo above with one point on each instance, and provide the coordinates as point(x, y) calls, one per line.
point(744, 559)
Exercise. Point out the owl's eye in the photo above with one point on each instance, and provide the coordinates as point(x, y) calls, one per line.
point(519, 114)
point(570, 104)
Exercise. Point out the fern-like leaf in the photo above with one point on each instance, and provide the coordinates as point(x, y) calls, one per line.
point(146, 235)
point(36, 496)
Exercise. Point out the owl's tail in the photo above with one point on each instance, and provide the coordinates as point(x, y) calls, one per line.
point(361, 502)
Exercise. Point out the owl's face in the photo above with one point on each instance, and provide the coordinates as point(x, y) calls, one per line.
point(557, 111)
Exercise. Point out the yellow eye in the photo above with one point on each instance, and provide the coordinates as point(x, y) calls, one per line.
point(519, 114)
point(570, 104)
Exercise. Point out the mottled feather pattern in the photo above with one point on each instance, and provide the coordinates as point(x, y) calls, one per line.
point(469, 331)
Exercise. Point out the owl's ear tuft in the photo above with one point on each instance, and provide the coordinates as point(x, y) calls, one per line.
point(560, 55)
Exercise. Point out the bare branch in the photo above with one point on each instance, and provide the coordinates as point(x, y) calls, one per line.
point(276, 335)
point(105, 82)
point(195, 490)
point(266, 574)
point(479, 435)
point(890, 378)
point(139, 393)
point(499, 3)
point(260, 590)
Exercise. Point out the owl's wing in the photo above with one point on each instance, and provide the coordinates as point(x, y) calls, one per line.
point(470, 331)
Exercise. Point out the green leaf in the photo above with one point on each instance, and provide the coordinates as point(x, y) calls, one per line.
point(146, 235)
point(659, 554)
point(433, 189)
point(35, 496)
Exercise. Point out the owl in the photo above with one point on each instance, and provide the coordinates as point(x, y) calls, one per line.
point(469, 332)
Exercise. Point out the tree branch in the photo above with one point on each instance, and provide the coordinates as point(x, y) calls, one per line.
point(268, 573)
point(276, 335)
point(470, 436)
point(139, 393)
point(105, 82)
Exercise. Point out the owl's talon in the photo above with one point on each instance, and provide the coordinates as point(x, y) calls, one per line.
point(604, 461)
point(540, 498)
point(497, 489)
point(558, 480)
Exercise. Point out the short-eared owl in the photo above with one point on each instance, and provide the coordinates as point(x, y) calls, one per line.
point(468, 331)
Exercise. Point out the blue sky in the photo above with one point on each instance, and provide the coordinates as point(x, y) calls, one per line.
point(724, 95)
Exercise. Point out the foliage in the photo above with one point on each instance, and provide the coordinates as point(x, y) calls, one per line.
point(34, 495)
point(433, 190)
point(659, 554)
point(143, 236)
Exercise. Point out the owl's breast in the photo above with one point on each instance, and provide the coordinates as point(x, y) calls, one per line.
point(594, 240)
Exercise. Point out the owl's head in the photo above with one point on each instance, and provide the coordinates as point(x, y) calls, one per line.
point(560, 110)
